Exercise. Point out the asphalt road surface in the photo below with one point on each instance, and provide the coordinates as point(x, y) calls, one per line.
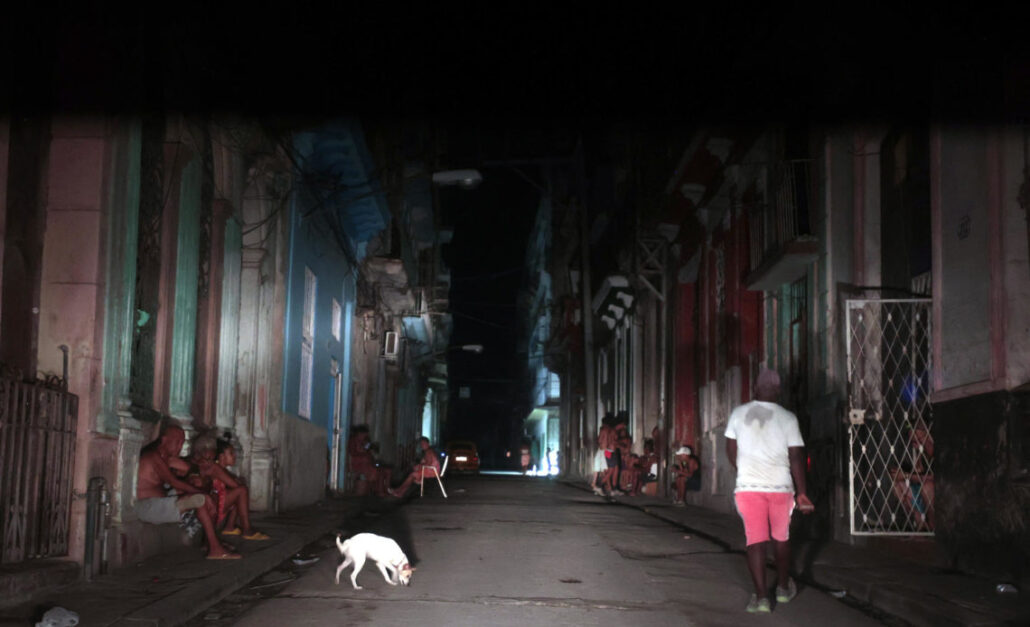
point(523, 551)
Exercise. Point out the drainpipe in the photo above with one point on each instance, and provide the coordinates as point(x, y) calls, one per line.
point(64, 366)
point(276, 483)
point(98, 516)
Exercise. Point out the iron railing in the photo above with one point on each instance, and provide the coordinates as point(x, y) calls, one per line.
point(786, 217)
point(37, 450)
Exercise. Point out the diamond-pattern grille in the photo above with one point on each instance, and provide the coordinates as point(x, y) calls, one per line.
point(891, 425)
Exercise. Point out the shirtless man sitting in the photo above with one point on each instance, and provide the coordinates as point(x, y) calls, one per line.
point(156, 504)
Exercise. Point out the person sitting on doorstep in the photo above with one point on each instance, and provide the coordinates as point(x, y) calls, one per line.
point(383, 471)
point(684, 468)
point(229, 492)
point(162, 497)
point(629, 471)
point(647, 464)
point(362, 462)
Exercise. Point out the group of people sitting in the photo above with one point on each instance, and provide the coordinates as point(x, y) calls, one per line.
point(198, 492)
point(618, 470)
point(369, 473)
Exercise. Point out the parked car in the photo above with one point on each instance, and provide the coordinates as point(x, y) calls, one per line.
point(463, 455)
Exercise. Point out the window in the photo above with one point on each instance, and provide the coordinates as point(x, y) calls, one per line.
point(337, 319)
point(390, 345)
point(553, 385)
point(307, 344)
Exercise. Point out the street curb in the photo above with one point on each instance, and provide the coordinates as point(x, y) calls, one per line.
point(181, 606)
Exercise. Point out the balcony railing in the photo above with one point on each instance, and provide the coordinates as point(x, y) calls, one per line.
point(781, 233)
point(37, 451)
point(787, 217)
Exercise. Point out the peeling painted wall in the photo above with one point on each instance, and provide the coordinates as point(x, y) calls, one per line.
point(981, 511)
point(303, 445)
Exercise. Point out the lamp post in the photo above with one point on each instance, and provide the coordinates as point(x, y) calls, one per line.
point(465, 179)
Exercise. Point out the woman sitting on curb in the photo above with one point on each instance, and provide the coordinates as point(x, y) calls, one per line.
point(429, 460)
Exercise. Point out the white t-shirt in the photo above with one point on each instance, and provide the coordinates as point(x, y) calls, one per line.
point(764, 432)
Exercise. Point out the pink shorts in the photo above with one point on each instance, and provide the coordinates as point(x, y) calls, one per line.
point(765, 511)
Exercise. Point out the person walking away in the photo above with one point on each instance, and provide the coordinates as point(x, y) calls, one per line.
point(764, 445)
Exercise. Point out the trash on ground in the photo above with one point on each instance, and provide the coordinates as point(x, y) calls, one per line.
point(686, 537)
point(838, 594)
point(58, 617)
point(1006, 588)
point(305, 560)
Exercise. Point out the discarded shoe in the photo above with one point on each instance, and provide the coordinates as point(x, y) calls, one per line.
point(784, 595)
point(756, 605)
point(257, 535)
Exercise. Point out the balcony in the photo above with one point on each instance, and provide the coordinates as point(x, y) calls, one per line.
point(781, 238)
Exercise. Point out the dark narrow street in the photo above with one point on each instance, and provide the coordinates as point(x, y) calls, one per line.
point(692, 288)
point(505, 550)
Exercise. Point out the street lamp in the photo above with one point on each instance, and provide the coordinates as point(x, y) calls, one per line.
point(465, 179)
point(470, 348)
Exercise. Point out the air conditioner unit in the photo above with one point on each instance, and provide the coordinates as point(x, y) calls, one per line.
point(391, 344)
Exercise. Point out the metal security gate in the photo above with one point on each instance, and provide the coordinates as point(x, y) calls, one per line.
point(37, 449)
point(890, 422)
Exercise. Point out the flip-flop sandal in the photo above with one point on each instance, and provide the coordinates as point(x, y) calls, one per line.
point(257, 535)
point(232, 532)
point(225, 556)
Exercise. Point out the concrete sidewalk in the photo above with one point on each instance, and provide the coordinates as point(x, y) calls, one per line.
point(914, 592)
point(171, 588)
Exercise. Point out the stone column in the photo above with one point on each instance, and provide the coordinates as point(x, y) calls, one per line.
point(262, 457)
point(184, 326)
point(230, 326)
point(130, 442)
point(122, 208)
point(246, 350)
point(254, 349)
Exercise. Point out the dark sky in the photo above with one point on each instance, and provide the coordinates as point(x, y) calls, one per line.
point(712, 62)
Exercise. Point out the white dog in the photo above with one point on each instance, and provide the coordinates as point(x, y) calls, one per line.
point(387, 555)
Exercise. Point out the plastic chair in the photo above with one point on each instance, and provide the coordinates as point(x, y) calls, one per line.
point(438, 475)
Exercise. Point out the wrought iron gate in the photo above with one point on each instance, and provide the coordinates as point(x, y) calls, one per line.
point(37, 449)
point(890, 422)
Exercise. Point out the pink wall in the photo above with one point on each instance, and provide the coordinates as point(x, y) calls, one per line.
point(687, 426)
point(72, 288)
